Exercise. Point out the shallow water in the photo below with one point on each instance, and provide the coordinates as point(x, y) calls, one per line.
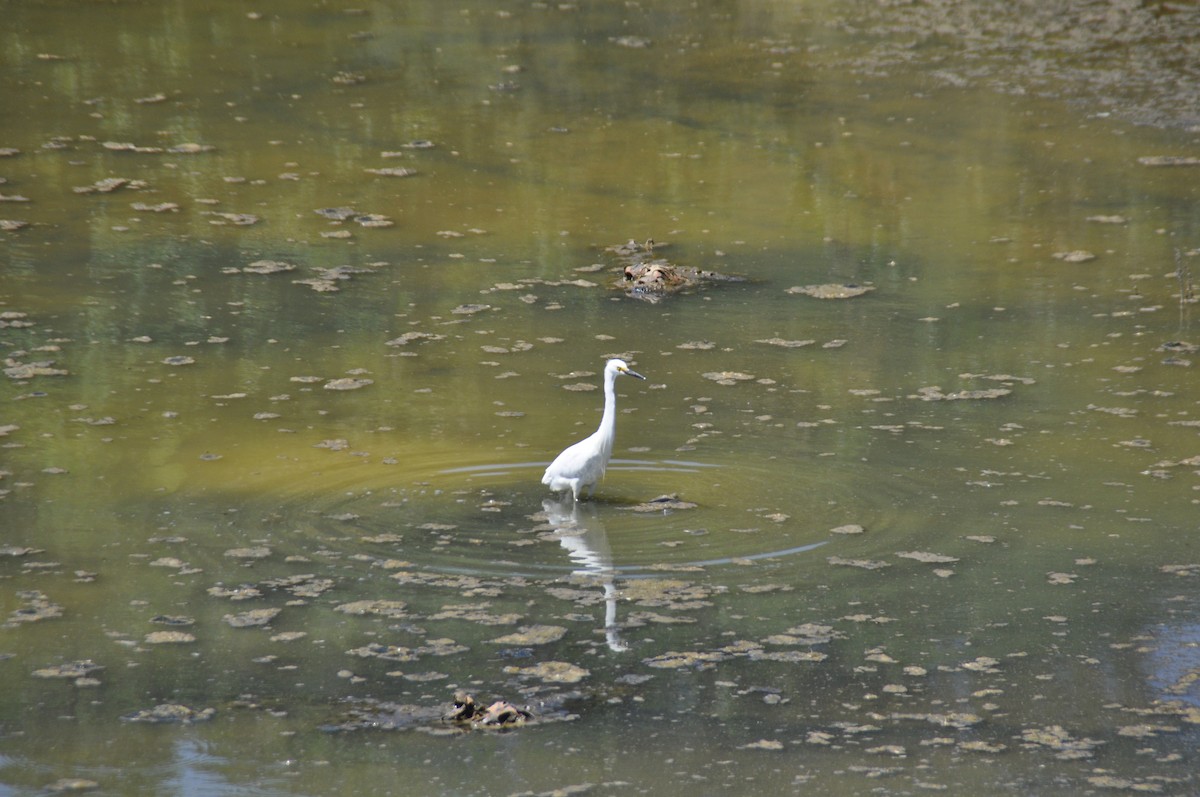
point(945, 540)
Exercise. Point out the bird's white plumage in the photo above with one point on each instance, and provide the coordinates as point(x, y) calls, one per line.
point(581, 465)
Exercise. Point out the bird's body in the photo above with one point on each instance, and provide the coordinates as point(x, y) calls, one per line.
point(581, 465)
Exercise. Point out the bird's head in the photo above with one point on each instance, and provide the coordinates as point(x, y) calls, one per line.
point(619, 367)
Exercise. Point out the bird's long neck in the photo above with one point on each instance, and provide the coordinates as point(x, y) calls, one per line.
point(608, 421)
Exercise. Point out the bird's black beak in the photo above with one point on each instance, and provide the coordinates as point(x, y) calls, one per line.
point(628, 372)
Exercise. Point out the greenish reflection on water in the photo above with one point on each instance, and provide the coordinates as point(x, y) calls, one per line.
point(1018, 611)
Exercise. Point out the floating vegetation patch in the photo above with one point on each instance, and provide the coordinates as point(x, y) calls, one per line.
point(236, 219)
point(255, 552)
point(169, 638)
point(935, 393)
point(433, 647)
point(35, 607)
point(865, 564)
point(378, 608)
point(926, 556)
point(728, 377)
point(168, 713)
point(1074, 256)
point(831, 290)
point(410, 337)
point(786, 344)
point(476, 613)
point(348, 383)
point(1169, 160)
point(14, 369)
point(251, 619)
point(555, 672)
point(531, 635)
point(663, 503)
point(267, 267)
point(392, 172)
point(463, 715)
point(110, 184)
point(71, 670)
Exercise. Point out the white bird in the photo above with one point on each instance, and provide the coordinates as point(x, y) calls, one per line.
point(581, 465)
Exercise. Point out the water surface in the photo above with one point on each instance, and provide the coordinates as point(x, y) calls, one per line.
point(943, 533)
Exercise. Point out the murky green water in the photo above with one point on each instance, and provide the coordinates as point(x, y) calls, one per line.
point(944, 533)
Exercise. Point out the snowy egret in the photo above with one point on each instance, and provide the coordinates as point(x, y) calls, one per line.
point(582, 464)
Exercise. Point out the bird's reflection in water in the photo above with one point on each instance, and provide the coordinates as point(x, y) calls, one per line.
point(582, 533)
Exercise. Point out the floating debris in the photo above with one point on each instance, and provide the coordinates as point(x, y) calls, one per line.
point(392, 172)
point(169, 638)
point(336, 214)
point(558, 672)
point(1169, 160)
point(237, 219)
point(470, 309)
point(409, 337)
point(14, 551)
point(675, 660)
point(169, 713)
point(865, 564)
point(663, 503)
point(831, 290)
point(161, 207)
point(19, 370)
point(12, 225)
point(658, 278)
point(35, 607)
point(373, 220)
point(728, 377)
point(178, 359)
point(531, 635)
point(267, 267)
point(849, 528)
point(252, 618)
point(378, 608)
point(787, 344)
point(463, 715)
point(1074, 256)
point(934, 393)
point(64, 785)
point(69, 670)
point(327, 278)
point(633, 42)
point(925, 556)
point(475, 613)
point(432, 647)
point(110, 184)
point(498, 714)
point(242, 593)
point(348, 383)
point(984, 664)
point(256, 552)
point(697, 345)
point(190, 149)
point(127, 146)
point(173, 619)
